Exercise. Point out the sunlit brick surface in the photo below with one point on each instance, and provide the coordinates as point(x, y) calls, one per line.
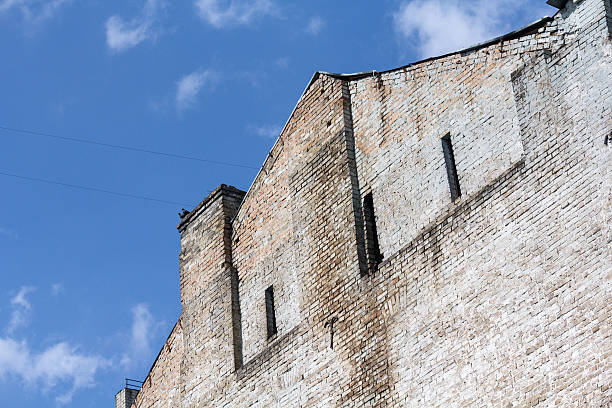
point(502, 298)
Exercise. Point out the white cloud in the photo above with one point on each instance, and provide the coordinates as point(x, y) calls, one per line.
point(144, 328)
point(33, 11)
point(122, 35)
point(228, 13)
point(189, 87)
point(58, 366)
point(315, 25)
point(268, 131)
point(21, 309)
point(14, 358)
point(436, 27)
point(61, 368)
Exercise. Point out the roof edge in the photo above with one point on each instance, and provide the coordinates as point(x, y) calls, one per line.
point(314, 77)
point(509, 36)
point(359, 75)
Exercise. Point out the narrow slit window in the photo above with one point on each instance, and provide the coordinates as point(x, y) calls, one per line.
point(270, 312)
point(236, 319)
point(372, 247)
point(451, 167)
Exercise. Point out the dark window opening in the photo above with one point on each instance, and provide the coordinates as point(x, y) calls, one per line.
point(270, 313)
point(372, 247)
point(236, 319)
point(451, 167)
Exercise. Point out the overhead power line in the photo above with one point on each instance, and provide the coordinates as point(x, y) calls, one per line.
point(123, 147)
point(88, 188)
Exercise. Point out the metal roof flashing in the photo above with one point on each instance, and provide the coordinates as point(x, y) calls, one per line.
point(557, 3)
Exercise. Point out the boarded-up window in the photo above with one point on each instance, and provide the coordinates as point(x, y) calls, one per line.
point(372, 247)
point(451, 167)
point(270, 313)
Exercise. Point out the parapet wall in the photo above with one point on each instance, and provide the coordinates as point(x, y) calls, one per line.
point(498, 298)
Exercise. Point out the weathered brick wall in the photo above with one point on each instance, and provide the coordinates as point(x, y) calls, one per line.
point(206, 296)
point(401, 115)
point(125, 398)
point(305, 207)
point(505, 295)
point(162, 386)
point(271, 246)
point(501, 298)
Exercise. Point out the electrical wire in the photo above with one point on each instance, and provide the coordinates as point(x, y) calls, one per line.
point(123, 147)
point(88, 188)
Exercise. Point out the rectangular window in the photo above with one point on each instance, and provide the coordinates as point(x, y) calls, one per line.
point(451, 168)
point(372, 248)
point(270, 313)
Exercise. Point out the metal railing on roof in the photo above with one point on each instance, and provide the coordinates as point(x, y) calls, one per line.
point(133, 384)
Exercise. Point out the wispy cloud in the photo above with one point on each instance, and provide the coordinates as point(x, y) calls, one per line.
point(8, 233)
point(267, 131)
point(315, 25)
point(22, 309)
point(188, 88)
point(122, 35)
point(282, 62)
point(33, 11)
point(142, 325)
point(57, 289)
point(59, 366)
point(144, 328)
point(435, 27)
point(230, 13)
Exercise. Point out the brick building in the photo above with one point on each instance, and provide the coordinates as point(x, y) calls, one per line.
point(434, 235)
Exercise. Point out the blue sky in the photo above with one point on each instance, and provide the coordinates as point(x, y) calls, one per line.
point(90, 279)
